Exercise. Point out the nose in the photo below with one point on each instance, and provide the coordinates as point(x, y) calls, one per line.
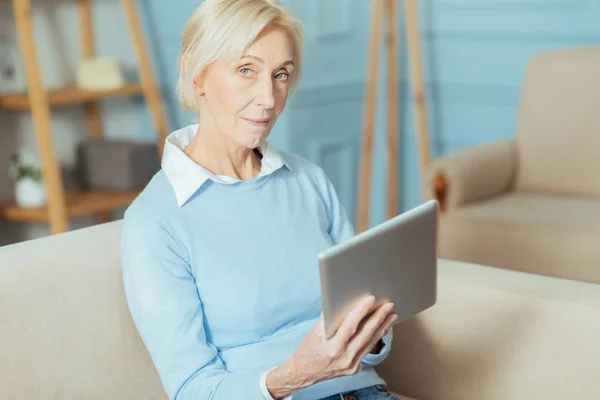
point(266, 94)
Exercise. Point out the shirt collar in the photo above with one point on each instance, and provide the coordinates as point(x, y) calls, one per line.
point(187, 177)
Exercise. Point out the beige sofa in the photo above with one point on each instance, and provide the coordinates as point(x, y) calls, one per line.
point(533, 204)
point(66, 333)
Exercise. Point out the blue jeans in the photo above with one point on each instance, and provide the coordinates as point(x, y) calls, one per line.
point(377, 392)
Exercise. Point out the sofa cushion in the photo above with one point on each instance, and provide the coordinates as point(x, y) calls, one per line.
point(496, 334)
point(554, 236)
point(559, 123)
point(65, 329)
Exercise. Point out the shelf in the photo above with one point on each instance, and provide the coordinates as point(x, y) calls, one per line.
point(79, 203)
point(62, 97)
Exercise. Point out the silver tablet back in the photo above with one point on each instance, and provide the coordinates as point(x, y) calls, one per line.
point(394, 261)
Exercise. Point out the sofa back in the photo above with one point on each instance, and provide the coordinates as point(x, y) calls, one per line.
point(65, 328)
point(497, 334)
point(66, 332)
point(559, 123)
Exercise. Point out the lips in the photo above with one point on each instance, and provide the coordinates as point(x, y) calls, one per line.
point(260, 122)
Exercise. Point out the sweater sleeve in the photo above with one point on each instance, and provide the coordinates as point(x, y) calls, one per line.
point(341, 229)
point(167, 311)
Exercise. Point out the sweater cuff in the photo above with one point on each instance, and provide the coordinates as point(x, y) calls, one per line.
point(265, 391)
point(375, 359)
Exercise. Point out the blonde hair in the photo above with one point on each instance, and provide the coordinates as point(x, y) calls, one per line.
point(226, 28)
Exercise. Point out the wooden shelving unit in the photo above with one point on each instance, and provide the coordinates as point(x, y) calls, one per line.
point(79, 203)
point(385, 15)
point(63, 205)
point(68, 96)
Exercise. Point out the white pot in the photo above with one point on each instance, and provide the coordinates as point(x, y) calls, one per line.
point(30, 193)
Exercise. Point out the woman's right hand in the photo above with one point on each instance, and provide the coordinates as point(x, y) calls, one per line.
point(319, 358)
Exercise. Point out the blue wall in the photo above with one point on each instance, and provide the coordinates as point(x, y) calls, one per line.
point(475, 54)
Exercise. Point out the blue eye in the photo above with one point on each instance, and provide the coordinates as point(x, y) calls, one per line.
point(246, 71)
point(282, 76)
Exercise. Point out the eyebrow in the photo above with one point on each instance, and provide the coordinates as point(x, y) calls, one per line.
point(260, 60)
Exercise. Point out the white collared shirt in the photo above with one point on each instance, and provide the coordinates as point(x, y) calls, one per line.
point(186, 176)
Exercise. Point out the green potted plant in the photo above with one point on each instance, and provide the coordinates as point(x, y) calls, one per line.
point(26, 173)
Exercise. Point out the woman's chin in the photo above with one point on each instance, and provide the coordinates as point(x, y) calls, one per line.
point(255, 139)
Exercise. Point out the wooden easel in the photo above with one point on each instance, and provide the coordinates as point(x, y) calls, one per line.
point(388, 7)
point(62, 205)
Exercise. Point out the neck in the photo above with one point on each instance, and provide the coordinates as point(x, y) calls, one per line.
point(218, 154)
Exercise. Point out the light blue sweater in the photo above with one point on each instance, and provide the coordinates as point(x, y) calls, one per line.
point(226, 286)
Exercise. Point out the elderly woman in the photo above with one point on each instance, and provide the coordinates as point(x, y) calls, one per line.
point(219, 250)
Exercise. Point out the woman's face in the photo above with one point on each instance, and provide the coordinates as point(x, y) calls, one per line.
point(243, 98)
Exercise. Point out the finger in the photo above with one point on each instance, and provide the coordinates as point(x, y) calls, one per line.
point(367, 332)
point(384, 328)
point(350, 324)
point(321, 321)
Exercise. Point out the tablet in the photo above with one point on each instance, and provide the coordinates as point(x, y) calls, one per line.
point(394, 261)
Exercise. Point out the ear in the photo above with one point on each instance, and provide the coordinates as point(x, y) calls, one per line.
point(199, 85)
point(182, 63)
point(197, 81)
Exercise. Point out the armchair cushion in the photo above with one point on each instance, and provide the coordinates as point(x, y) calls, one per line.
point(553, 236)
point(475, 174)
point(559, 123)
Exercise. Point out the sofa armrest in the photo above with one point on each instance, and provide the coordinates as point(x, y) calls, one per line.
point(499, 334)
point(474, 174)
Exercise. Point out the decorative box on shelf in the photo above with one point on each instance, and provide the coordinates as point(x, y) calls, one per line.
point(117, 165)
point(100, 74)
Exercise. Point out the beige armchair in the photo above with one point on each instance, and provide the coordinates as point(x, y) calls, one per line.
point(533, 204)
